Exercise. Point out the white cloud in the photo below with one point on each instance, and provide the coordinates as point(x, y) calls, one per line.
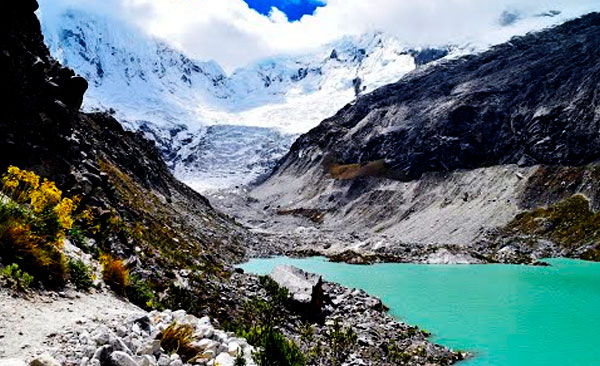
point(277, 16)
point(231, 33)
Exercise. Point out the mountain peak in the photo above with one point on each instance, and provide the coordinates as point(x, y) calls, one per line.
point(173, 99)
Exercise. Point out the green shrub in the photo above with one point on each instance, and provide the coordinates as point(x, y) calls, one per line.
point(258, 323)
point(201, 295)
point(341, 343)
point(253, 335)
point(77, 235)
point(338, 344)
point(279, 295)
point(139, 292)
point(179, 297)
point(40, 258)
point(276, 350)
point(239, 360)
point(260, 313)
point(307, 333)
point(16, 279)
point(79, 275)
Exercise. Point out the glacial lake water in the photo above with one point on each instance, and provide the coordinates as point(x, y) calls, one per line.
point(507, 315)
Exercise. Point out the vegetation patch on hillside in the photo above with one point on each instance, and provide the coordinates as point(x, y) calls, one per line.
point(34, 220)
point(570, 223)
point(376, 168)
point(260, 322)
point(549, 184)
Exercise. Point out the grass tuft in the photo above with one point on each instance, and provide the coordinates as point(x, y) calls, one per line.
point(177, 338)
point(79, 275)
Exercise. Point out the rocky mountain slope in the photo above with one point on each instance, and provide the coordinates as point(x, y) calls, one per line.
point(136, 208)
point(452, 151)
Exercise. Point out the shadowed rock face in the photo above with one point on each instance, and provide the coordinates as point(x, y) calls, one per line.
point(533, 100)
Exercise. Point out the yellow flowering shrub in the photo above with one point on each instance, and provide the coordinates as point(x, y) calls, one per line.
point(87, 222)
point(34, 219)
point(63, 211)
point(114, 273)
point(47, 195)
point(18, 184)
point(37, 257)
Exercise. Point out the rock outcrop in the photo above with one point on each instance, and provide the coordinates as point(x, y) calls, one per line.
point(306, 289)
point(378, 333)
point(159, 227)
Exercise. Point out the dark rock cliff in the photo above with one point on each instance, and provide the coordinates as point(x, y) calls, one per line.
point(533, 100)
point(118, 174)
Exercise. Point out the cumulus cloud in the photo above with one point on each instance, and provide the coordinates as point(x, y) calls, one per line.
point(231, 33)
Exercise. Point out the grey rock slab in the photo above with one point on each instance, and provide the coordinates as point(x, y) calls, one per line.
point(305, 288)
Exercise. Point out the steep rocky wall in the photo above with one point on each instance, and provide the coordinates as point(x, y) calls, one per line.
point(530, 101)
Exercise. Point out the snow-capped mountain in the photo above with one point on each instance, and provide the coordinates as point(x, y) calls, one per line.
point(295, 93)
point(214, 129)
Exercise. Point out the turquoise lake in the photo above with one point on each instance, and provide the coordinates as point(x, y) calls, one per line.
point(507, 315)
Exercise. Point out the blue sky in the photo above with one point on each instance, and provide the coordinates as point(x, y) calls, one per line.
point(294, 9)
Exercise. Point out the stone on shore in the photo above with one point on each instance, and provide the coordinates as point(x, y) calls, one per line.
point(304, 288)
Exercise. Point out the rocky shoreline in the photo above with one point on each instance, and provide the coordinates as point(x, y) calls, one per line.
point(131, 337)
point(381, 339)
